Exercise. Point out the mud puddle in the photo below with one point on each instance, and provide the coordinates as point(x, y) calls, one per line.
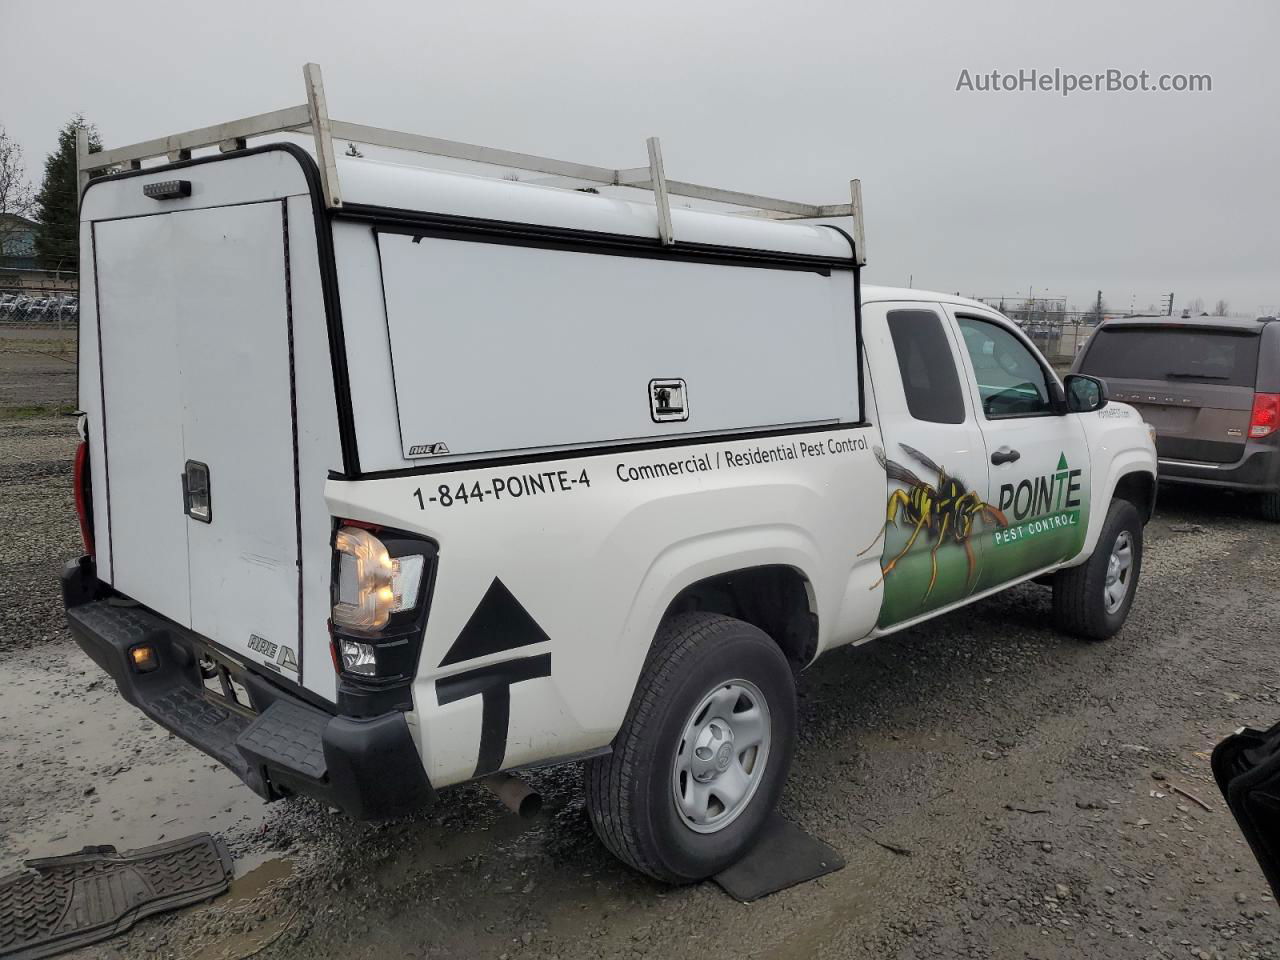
point(96, 771)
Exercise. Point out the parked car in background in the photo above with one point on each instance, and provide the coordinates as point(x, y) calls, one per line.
point(1210, 386)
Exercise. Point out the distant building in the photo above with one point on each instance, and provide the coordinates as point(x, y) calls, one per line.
point(17, 242)
point(18, 267)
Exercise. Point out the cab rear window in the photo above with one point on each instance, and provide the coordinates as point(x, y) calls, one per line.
point(1173, 353)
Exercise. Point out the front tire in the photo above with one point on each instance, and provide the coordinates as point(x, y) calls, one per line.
point(702, 754)
point(1092, 600)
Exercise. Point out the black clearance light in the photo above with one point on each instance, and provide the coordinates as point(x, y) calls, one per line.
point(167, 189)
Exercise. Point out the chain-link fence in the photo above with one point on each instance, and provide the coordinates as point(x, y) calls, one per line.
point(55, 312)
point(1059, 333)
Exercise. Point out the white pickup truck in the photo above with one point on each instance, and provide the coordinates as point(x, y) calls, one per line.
point(394, 478)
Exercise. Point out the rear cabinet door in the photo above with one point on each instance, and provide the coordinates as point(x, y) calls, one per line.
point(1039, 461)
point(238, 420)
point(196, 337)
point(934, 459)
point(141, 397)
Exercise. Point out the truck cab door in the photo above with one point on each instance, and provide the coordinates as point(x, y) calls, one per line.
point(934, 458)
point(1039, 461)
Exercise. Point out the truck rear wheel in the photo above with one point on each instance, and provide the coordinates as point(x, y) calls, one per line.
point(702, 754)
point(1271, 506)
point(1092, 600)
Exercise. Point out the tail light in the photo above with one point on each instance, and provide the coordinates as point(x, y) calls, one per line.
point(83, 485)
point(1266, 415)
point(382, 582)
point(371, 584)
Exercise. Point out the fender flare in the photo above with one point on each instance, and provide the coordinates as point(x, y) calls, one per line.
point(1125, 463)
point(698, 558)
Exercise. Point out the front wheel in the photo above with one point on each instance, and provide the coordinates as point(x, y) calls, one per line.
point(702, 754)
point(1092, 600)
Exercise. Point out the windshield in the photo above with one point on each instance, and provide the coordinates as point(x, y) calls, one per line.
point(1173, 353)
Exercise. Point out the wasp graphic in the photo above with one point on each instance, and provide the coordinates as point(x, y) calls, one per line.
point(947, 510)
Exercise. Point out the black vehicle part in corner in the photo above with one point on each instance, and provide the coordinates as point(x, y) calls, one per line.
point(1247, 768)
point(279, 744)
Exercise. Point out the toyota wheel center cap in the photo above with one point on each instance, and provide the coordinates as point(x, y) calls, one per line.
point(723, 756)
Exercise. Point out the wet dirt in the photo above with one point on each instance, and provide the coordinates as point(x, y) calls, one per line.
point(91, 772)
point(998, 789)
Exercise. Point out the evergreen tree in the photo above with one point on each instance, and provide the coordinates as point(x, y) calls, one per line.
point(57, 239)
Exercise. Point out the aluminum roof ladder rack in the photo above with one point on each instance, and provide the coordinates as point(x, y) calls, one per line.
point(313, 117)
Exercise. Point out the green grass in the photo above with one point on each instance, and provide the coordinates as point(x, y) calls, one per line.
point(62, 347)
point(32, 411)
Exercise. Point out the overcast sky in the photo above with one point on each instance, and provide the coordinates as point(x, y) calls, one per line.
point(1138, 194)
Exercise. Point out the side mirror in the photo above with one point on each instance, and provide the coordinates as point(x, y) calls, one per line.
point(1085, 394)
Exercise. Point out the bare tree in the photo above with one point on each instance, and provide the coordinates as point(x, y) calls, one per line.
point(15, 192)
point(1196, 307)
point(1220, 308)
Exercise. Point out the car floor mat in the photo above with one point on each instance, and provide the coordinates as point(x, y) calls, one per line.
point(784, 856)
point(61, 903)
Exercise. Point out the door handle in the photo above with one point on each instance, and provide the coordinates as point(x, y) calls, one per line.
point(1005, 455)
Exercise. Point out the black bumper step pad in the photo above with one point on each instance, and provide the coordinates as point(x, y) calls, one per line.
point(63, 903)
point(173, 697)
point(118, 623)
point(196, 719)
point(289, 736)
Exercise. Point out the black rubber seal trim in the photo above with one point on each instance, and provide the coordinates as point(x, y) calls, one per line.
point(511, 233)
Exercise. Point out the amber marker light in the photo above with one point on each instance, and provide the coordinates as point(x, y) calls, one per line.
point(143, 658)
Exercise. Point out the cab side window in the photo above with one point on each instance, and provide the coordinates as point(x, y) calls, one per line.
point(928, 368)
point(1011, 381)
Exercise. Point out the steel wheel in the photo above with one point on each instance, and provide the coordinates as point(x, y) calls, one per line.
point(1119, 568)
point(721, 757)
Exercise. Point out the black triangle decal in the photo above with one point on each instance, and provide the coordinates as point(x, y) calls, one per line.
point(498, 623)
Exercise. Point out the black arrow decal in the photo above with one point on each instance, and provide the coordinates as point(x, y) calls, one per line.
point(499, 623)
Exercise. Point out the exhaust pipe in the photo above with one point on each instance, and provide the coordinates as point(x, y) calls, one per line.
point(516, 795)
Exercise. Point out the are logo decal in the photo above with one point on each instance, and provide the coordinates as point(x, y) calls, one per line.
point(428, 450)
point(263, 646)
point(278, 657)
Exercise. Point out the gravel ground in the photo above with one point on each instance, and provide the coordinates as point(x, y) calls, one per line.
point(999, 790)
point(37, 367)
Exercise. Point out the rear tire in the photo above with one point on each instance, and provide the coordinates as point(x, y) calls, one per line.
point(1092, 600)
point(1271, 506)
point(703, 753)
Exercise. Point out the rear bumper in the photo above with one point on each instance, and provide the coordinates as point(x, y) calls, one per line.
point(283, 745)
point(1258, 471)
